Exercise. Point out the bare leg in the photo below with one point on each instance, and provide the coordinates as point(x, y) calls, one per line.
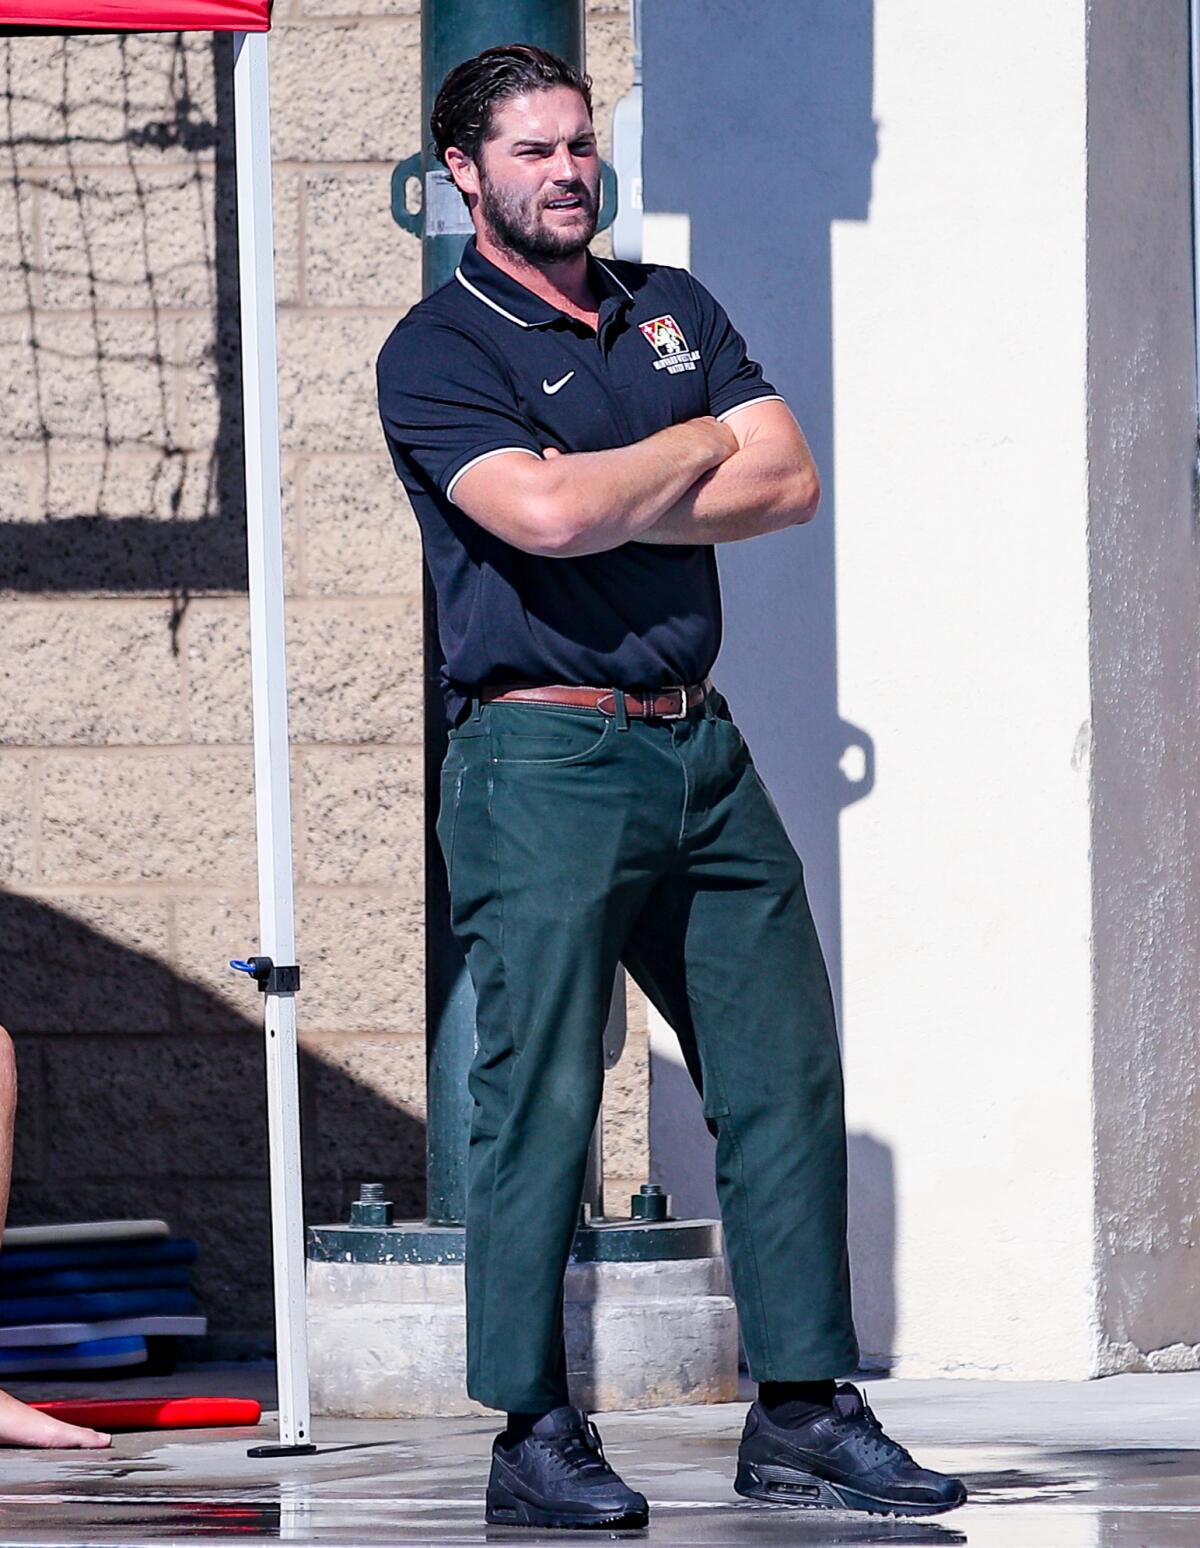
point(21, 1425)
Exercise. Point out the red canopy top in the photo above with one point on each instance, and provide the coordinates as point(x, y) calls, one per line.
point(138, 15)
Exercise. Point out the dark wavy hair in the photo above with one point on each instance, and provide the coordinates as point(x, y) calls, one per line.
point(462, 113)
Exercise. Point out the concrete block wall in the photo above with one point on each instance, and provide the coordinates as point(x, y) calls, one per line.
point(126, 807)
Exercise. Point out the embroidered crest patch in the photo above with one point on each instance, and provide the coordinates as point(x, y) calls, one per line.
point(665, 338)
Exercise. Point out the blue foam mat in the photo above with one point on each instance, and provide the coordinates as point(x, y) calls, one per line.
point(97, 1306)
point(19, 1261)
point(145, 1276)
point(30, 1335)
point(93, 1354)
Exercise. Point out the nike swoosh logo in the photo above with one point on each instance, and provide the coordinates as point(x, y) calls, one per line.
point(553, 388)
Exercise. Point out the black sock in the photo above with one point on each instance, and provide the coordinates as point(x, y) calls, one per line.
point(519, 1426)
point(793, 1402)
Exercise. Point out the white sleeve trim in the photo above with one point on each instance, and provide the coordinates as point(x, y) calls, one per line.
point(483, 457)
point(767, 397)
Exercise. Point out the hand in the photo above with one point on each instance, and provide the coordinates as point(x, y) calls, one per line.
point(720, 439)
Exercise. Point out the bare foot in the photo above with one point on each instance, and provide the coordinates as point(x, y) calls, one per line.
point(21, 1425)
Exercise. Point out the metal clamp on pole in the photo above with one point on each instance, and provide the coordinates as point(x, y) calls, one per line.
point(269, 978)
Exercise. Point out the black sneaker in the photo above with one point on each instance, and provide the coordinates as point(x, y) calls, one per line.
point(558, 1477)
point(840, 1459)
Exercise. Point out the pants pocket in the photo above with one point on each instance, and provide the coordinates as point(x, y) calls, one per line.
point(546, 738)
point(450, 799)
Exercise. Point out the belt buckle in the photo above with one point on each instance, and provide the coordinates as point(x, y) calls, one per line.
point(681, 713)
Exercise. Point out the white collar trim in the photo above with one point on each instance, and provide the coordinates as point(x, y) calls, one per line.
point(614, 278)
point(487, 300)
point(520, 321)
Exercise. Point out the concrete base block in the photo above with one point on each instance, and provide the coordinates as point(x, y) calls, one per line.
point(388, 1340)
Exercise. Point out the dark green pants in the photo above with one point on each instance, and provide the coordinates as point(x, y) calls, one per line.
point(573, 841)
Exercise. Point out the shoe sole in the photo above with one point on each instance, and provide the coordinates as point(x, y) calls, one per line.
point(505, 1509)
point(777, 1485)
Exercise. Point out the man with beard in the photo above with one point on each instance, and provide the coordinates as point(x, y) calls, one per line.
point(575, 436)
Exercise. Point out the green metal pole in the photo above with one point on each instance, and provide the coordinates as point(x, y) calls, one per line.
point(451, 31)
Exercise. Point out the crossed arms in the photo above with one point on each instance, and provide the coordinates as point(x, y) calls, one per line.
point(703, 481)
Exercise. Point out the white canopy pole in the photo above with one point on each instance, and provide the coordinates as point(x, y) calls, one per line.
point(264, 528)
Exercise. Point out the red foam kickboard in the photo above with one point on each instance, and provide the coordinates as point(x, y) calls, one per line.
point(193, 1413)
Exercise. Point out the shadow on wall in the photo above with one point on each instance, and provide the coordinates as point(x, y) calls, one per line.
point(143, 1094)
point(872, 1240)
point(167, 516)
point(759, 129)
point(683, 1158)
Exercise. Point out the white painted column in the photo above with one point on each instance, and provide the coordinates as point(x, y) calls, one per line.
point(960, 414)
point(957, 237)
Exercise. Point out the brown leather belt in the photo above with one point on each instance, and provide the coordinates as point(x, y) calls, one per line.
point(665, 704)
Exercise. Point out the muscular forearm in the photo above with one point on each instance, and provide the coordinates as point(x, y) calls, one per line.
point(762, 488)
point(614, 496)
point(562, 506)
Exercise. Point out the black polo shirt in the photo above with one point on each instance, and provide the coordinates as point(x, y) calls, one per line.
point(484, 366)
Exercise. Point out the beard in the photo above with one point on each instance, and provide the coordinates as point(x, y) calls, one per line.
point(517, 225)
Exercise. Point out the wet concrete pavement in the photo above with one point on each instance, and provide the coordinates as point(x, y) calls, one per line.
point(1107, 1464)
